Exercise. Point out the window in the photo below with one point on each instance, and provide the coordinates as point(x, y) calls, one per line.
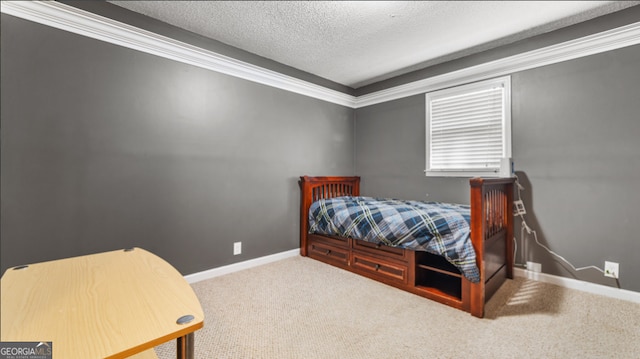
point(469, 129)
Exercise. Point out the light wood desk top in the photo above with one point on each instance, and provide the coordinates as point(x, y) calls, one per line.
point(106, 305)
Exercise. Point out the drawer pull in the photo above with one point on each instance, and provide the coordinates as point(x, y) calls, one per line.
point(328, 252)
point(378, 245)
point(377, 266)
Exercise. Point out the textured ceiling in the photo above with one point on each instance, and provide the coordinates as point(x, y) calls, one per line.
point(356, 43)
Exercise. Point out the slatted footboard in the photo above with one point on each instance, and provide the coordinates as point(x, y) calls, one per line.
point(492, 237)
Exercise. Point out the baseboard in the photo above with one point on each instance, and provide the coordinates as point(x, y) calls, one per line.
point(580, 285)
point(235, 267)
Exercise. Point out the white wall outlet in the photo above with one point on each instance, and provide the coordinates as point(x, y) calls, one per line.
point(518, 208)
point(534, 267)
point(237, 248)
point(611, 269)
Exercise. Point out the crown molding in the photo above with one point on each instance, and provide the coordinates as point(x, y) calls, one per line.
point(81, 22)
point(68, 18)
point(589, 45)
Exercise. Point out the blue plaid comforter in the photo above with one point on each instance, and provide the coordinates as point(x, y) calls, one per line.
point(434, 227)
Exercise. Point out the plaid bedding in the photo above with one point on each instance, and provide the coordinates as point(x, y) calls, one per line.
point(434, 227)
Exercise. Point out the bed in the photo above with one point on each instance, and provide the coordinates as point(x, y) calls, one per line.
point(422, 271)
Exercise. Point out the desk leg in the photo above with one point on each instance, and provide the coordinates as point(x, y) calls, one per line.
point(185, 346)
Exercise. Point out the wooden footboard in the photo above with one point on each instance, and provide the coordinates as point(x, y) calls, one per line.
point(419, 272)
point(492, 237)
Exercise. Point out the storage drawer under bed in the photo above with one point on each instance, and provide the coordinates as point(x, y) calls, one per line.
point(328, 253)
point(380, 249)
point(386, 271)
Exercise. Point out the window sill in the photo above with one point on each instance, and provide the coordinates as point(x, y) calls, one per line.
point(467, 174)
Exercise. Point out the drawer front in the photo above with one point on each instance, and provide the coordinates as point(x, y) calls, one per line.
point(327, 253)
point(378, 268)
point(329, 240)
point(380, 249)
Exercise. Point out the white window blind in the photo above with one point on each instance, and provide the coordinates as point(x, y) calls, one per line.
point(468, 129)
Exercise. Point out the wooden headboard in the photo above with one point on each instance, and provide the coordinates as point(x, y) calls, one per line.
point(315, 188)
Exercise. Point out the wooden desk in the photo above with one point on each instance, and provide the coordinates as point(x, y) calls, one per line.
point(107, 305)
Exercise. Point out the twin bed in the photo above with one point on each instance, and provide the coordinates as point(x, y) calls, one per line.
point(457, 255)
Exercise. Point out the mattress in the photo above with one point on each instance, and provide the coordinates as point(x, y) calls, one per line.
point(435, 227)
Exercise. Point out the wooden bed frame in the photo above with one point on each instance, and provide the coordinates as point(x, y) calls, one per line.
point(418, 272)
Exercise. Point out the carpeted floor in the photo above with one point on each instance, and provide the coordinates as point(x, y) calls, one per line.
point(301, 308)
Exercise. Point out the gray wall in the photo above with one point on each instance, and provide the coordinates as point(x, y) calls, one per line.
point(575, 133)
point(104, 147)
point(576, 151)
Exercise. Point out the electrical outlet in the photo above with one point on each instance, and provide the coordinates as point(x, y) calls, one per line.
point(518, 208)
point(611, 269)
point(237, 248)
point(534, 267)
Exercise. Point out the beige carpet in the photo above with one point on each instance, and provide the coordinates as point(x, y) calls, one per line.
point(301, 308)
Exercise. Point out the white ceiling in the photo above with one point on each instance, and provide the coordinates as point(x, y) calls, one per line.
point(356, 43)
